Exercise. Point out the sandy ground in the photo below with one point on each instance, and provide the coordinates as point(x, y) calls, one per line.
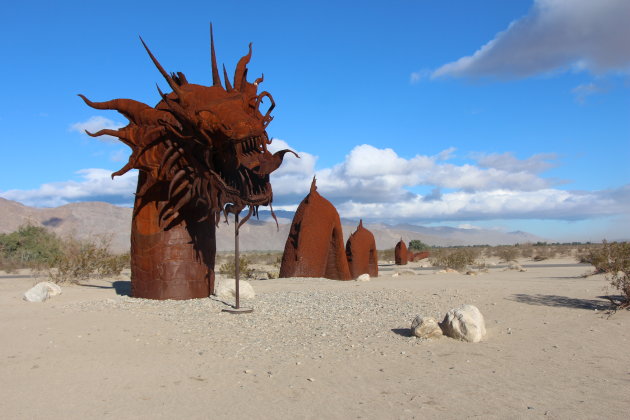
point(320, 349)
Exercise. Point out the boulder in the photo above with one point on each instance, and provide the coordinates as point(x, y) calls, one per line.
point(464, 323)
point(426, 327)
point(226, 289)
point(364, 277)
point(42, 291)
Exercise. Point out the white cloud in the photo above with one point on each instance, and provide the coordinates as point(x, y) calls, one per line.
point(506, 161)
point(95, 185)
point(497, 204)
point(556, 35)
point(581, 92)
point(376, 184)
point(97, 123)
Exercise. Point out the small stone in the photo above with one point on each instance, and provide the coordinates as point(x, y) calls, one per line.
point(248, 371)
point(226, 289)
point(364, 277)
point(425, 327)
point(310, 379)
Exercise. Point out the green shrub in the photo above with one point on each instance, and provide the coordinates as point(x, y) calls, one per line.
point(417, 245)
point(29, 247)
point(229, 269)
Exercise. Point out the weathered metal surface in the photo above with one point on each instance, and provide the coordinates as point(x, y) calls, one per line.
point(400, 253)
point(361, 253)
point(198, 150)
point(314, 247)
point(417, 256)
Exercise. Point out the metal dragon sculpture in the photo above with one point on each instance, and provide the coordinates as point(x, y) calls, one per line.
point(200, 152)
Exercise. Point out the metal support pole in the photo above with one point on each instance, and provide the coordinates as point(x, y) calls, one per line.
point(237, 260)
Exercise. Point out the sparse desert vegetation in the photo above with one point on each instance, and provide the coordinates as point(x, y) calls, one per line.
point(613, 259)
point(63, 260)
point(455, 258)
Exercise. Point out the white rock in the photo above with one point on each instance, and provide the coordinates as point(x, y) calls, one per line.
point(396, 274)
point(364, 277)
point(226, 289)
point(426, 327)
point(42, 291)
point(515, 266)
point(53, 288)
point(464, 323)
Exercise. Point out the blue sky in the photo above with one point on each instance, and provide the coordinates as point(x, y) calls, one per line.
point(512, 115)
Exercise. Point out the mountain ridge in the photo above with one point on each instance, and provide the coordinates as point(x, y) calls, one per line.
point(83, 220)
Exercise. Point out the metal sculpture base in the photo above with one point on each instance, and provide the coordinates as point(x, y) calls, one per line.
point(239, 310)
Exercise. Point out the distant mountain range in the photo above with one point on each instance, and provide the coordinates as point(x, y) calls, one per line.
point(86, 219)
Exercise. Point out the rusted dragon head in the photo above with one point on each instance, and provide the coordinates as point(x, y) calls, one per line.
point(205, 147)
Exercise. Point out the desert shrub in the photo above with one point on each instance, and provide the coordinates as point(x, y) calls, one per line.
point(613, 258)
point(454, 258)
point(506, 253)
point(29, 246)
point(544, 252)
point(526, 251)
point(267, 258)
point(385, 254)
point(82, 259)
point(229, 268)
point(417, 245)
point(594, 255)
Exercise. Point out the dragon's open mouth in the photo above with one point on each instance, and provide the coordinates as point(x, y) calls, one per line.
point(247, 179)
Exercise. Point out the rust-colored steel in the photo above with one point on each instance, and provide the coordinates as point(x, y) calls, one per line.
point(417, 256)
point(200, 149)
point(361, 252)
point(400, 253)
point(314, 247)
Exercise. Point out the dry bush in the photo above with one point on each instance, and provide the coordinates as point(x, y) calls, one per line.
point(543, 252)
point(83, 259)
point(454, 258)
point(506, 253)
point(526, 250)
point(385, 254)
point(264, 258)
point(229, 268)
point(613, 258)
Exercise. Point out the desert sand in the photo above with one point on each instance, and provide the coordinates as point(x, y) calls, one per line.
point(320, 349)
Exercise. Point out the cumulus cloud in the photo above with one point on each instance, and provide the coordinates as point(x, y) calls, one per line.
point(497, 204)
point(94, 185)
point(94, 124)
point(377, 184)
point(556, 35)
point(369, 174)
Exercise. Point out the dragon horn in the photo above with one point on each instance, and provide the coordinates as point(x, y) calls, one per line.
point(166, 76)
point(216, 79)
point(241, 69)
point(228, 86)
